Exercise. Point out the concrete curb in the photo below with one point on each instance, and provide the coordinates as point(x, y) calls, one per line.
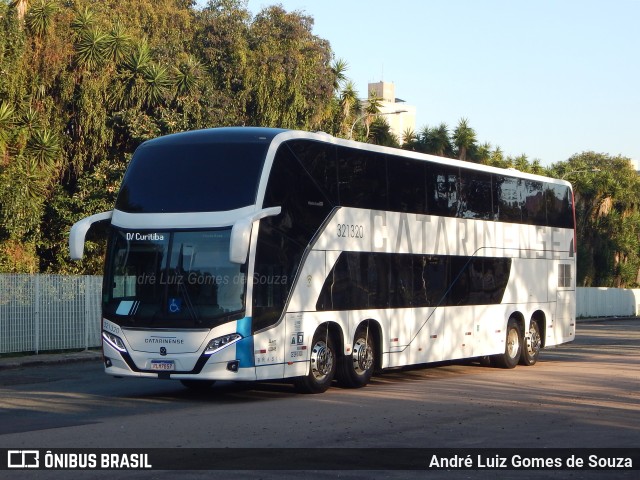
point(50, 359)
point(604, 319)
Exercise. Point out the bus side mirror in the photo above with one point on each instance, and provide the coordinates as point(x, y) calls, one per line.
point(79, 232)
point(241, 234)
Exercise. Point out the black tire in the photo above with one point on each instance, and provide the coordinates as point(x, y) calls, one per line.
point(199, 385)
point(532, 345)
point(355, 370)
point(322, 364)
point(512, 348)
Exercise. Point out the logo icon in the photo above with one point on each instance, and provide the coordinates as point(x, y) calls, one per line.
point(163, 351)
point(175, 305)
point(23, 459)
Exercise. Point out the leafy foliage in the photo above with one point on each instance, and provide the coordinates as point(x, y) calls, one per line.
point(84, 83)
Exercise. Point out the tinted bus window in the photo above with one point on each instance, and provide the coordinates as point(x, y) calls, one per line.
point(476, 195)
point(443, 184)
point(362, 280)
point(319, 161)
point(511, 194)
point(559, 206)
point(283, 239)
point(362, 177)
point(535, 211)
point(407, 188)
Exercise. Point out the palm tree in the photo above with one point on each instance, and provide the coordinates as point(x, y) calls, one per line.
point(464, 137)
point(156, 84)
point(21, 7)
point(186, 76)
point(40, 17)
point(84, 20)
point(483, 153)
point(409, 138)
point(118, 42)
point(339, 68)
point(440, 142)
point(43, 147)
point(374, 104)
point(381, 133)
point(91, 48)
point(497, 158)
point(521, 163)
point(348, 106)
point(131, 90)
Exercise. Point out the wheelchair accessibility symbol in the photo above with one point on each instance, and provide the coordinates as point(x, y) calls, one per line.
point(175, 305)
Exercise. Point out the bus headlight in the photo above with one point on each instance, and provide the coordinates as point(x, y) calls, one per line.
point(115, 341)
point(221, 342)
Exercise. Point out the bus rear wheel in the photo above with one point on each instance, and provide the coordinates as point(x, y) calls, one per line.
point(513, 347)
point(322, 365)
point(356, 369)
point(532, 345)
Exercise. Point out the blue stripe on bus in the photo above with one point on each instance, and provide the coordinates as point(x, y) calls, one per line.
point(244, 348)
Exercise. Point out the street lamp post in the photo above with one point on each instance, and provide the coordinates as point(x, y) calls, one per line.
point(590, 170)
point(375, 115)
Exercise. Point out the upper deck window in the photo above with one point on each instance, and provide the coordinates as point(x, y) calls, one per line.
point(184, 176)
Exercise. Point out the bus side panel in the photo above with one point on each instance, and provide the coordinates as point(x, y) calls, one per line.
point(562, 290)
point(489, 329)
point(428, 344)
point(269, 353)
point(527, 281)
point(310, 282)
point(458, 333)
point(400, 326)
point(564, 325)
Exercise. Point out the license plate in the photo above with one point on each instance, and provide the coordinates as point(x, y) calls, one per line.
point(163, 365)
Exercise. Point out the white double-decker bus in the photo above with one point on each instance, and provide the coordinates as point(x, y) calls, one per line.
point(252, 254)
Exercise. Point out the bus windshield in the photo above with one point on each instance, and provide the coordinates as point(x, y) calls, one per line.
point(172, 279)
point(192, 177)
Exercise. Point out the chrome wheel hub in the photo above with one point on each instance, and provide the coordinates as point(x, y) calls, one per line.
point(362, 356)
point(321, 360)
point(513, 343)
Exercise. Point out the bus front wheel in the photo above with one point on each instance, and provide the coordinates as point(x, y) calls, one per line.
point(513, 347)
point(322, 365)
point(356, 369)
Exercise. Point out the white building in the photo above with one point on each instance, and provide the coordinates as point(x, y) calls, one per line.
point(398, 122)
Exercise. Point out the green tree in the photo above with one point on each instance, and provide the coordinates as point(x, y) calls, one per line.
point(290, 76)
point(436, 141)
point(607, 196)
point(464, 138)
point(380, 133)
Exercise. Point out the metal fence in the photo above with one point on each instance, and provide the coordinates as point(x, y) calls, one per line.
point(49, 312)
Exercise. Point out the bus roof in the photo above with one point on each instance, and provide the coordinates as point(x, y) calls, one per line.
point(279, 135)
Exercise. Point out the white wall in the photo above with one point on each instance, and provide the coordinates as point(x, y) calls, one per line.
point(607, 302)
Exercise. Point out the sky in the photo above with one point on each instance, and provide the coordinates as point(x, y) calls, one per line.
point(545, 78)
